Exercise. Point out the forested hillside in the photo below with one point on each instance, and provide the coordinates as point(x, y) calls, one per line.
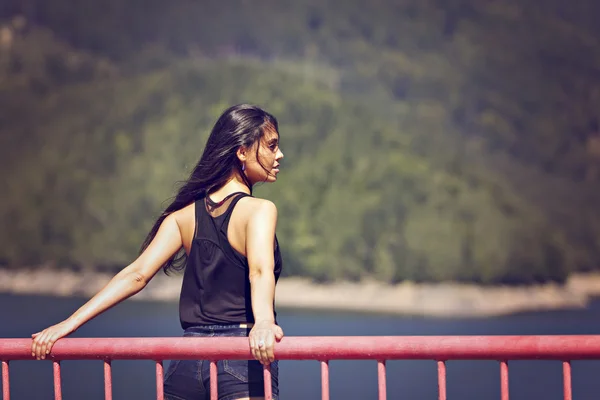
point(425, 140)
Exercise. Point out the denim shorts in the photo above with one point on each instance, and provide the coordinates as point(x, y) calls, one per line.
point(237, 379)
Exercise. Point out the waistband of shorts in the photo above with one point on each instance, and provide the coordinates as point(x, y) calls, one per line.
point(216, 328)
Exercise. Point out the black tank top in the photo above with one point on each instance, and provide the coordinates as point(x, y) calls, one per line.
point(216, 286)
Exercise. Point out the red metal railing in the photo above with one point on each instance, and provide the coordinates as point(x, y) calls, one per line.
point(323, 349)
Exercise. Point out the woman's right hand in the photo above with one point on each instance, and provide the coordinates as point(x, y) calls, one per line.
point(44, 340)
point(262, 339)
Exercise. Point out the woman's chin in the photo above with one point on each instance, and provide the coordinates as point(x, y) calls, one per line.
point(271, 178)
point(267, 179)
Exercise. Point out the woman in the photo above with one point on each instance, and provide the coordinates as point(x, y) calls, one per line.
point(225, 239)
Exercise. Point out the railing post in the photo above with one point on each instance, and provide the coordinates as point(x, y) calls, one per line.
point(325, 380)
point(107, 380)
point(160, 389)
point(567, 380)
point(214, 384)
point(57, 383)
point(503, 380)
point(381, 378)
point(441, 380)
point(5, 381)
point(267, 380)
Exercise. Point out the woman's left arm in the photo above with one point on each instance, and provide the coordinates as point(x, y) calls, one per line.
point(260, 248)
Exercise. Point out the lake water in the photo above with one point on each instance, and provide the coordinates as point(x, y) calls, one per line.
point(22, 315)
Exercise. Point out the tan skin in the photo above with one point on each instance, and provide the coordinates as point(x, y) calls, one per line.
point(251, 232)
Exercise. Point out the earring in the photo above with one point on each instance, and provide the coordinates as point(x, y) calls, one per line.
point(243, 166)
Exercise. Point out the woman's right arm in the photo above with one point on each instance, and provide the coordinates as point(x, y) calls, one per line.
point(126, 283)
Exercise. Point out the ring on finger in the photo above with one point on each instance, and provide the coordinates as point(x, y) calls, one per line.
point(261, 343)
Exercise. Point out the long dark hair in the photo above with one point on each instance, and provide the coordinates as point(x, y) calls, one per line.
point(240, 125)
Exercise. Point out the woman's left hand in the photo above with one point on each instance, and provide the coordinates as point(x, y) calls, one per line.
point(262, 340)
point(44, 340)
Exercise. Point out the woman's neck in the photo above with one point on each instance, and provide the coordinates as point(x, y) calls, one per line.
point(235, 184)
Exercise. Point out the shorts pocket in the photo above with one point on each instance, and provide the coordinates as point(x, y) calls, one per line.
point(248, 371)
point(238, 369)
point(171, 369)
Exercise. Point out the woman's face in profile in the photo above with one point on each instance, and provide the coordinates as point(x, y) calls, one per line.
point(266, 168)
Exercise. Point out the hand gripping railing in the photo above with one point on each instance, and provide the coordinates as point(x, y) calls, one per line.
point(323, 349)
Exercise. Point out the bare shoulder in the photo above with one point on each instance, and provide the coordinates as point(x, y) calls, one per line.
point(256, 205)
point(256, 208)
point(186, 222)
point(185, 215)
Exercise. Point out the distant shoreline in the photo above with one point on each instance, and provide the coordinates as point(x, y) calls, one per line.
point(434, 300)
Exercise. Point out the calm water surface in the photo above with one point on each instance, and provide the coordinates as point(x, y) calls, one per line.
point(22, 315)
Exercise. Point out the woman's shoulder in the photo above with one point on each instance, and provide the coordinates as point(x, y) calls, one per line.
point(257, 204)
point(186, 214)
point(255, 207)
